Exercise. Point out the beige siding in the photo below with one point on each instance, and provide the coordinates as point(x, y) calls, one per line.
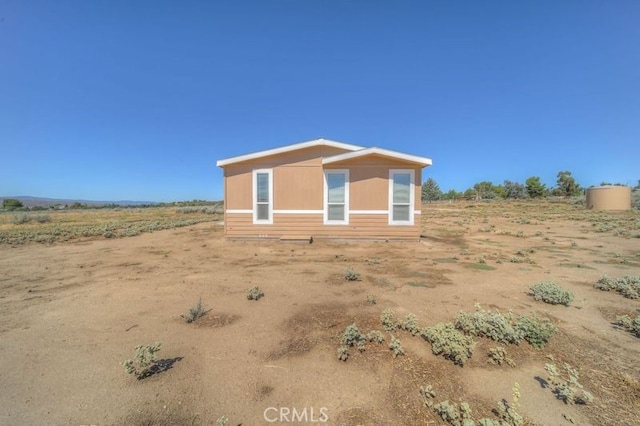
point(298, 188)
point(238, 189)
point(368, 188)
point(311, 225)
point(298, 184)
point(297, 179)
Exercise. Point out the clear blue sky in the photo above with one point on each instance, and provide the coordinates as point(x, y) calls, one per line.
point(113, 100)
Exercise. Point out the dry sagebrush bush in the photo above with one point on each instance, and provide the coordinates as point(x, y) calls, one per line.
point(494, 325)
point(628, 286)
point(550, 292)
point(445, 339)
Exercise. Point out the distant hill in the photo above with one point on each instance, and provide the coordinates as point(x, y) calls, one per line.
point(28, 201)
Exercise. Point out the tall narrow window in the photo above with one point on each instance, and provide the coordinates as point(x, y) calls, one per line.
point(401, 197)
point(336, 197)
point(263, 196)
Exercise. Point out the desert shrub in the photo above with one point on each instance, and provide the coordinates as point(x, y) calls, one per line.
point(461, 415)
point(507, 411)
point(343, 353)
point(389, 320)
point(551, 292)
point(222, 421)
point(42, 218)
point(375, 336)
point(351, 275)
point(255, 293)
point(633, 325)
point(20, 219)
point(628, 286)
point(428, 394)
point(353, 337)
point(635, 199)
point(535, 330)
point(410, 324)
point(143, 361)
point(396, 347)
point(199, 209)
point(494, 325)
point(498, 355)
point(447, 340)
point(452, 414)
point(371, 299)
point(195, 312)
point(525, 259)
point(566, 386)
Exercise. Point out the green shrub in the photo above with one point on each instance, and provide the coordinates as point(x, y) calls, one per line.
point(628, 286)
point(451, 413)
point(371, 299)
point(351, 275)
point(20, 219)
point(343, 353)
point(461, 415)
point(447, 340)
point(353, 337)
point(535, 330)
point(410, 324)
point(498, 355)
point(375, 336)
point(195, 312)
point(42, 218)
point(551, 292)
point(633, 325)
point(199, 209)
point(507, 411)
point(396, 347)
point(145, 358)
point(494, 325)
point(255, 293)
point(566, 386)
point(428, 394)
point(389, 320)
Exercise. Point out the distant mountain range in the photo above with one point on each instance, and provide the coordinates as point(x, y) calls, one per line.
point(28, 201)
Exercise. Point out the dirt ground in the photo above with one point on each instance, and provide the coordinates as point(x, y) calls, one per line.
point(72, 312)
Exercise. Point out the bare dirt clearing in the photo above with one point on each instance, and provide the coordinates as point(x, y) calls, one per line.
point(73, 311)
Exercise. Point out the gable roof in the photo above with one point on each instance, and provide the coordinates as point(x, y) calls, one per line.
point(423, 161)
point(288, 148)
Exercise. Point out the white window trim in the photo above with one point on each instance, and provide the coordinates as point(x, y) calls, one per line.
point(412, 191)
point(326, 198)
point(256, 221)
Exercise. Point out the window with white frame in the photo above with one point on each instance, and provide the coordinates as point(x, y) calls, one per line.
point(336, 196)
point(263, 196)
point(401, 197)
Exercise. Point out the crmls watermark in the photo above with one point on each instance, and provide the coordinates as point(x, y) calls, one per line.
point(296, 415)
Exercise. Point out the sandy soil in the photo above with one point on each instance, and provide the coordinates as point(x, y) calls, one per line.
point(72, 312)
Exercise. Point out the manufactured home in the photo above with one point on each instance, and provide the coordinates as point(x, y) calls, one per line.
point(323, 189)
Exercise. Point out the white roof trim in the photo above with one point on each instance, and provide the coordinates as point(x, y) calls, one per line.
point(424, 161)
point(288, 148)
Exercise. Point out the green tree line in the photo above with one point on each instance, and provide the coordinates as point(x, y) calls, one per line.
point(566, 186)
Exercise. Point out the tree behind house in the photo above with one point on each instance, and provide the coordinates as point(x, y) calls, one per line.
point(514, 190)
point(567, 185)
point(11, 204)
point(431, 191)
point(535, 188)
